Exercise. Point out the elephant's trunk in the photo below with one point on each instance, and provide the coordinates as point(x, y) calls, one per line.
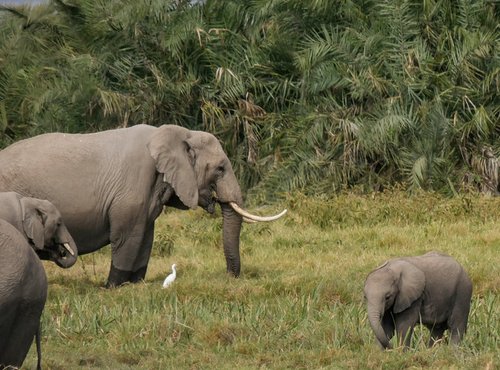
point(67, 253)
point(66, 260)
point(375, 316)
point(231, 236)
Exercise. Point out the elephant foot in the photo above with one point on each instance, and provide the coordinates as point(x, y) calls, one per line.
point(117, 277)
point(138, 275)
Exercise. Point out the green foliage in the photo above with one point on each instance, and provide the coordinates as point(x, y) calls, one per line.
point(316, 96)
point(299, 302)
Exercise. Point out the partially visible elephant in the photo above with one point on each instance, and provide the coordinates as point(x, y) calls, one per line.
point(112, 185)
point(41, 223)
point(433, 289)
point(23, 292)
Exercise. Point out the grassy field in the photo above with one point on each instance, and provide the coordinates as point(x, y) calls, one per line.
point(299, 303)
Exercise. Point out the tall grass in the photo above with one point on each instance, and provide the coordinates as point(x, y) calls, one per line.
point(299, 302)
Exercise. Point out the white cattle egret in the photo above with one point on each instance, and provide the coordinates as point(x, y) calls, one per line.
point(170, 278)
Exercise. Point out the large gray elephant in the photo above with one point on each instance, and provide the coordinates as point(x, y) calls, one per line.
point(432, 289)
point(42, 225)
point(111, 186)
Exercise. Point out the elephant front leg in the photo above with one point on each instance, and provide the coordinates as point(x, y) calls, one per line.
point(142, 259)
point(404, 331)
point(388, 325)
point(405, 322)
point(124, 251)
point(117, 277)
point(437, 332)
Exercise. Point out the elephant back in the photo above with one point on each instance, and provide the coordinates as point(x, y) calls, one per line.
point(21, 273)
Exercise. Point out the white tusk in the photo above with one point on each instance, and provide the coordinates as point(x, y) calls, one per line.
point(244, 213)
point(66, 245)
point(248, 221)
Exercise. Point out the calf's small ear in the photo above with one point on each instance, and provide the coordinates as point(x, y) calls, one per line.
point(32, 223)
point(411, 285)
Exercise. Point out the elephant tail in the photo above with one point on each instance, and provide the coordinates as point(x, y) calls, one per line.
point(38, 334)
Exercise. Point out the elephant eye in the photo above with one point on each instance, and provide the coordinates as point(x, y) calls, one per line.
point(221, 170)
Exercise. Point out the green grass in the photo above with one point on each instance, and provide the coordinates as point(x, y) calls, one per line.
point(299, 302)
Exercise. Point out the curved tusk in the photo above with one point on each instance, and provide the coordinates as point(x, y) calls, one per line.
point(68, 248)
point(244, 213)
point(248, 221)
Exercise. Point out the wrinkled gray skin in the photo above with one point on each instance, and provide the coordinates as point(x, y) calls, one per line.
point(23, 292)
point(433, 289)
point(42, 226)
point(112, 185)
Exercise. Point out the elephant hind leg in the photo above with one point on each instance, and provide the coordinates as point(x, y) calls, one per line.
point(7, 319)
point(20, 338)
point(457, 331)
point(457, 323)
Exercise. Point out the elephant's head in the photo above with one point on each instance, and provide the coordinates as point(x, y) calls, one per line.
point(195, 165)
point(393, 286)
point(44, 228)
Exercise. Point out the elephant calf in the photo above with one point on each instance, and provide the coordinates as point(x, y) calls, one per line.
point(41, 224)
point(23, 291)
point(432, 289)
point(30, 229)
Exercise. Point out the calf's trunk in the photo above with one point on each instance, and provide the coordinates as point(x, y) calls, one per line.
point(374, 316)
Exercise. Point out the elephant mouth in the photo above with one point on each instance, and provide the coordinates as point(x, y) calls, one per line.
point(210, 207)
point(207, 201)
point(59, 251)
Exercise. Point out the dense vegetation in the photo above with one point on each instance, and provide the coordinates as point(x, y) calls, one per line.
point(317, 96)
point(299, 302)
point(313, 95)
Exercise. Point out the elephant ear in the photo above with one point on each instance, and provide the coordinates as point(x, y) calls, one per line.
point(411, 285)
point(32, 222)
point(173, 157)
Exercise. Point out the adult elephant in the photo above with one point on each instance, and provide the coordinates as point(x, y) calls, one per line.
point(112, 185)
point(42, 226)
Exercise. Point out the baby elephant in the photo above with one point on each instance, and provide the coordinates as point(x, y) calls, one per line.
point(23, 291)
point(30, 229)
point(432, 289)
point(41, 224)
